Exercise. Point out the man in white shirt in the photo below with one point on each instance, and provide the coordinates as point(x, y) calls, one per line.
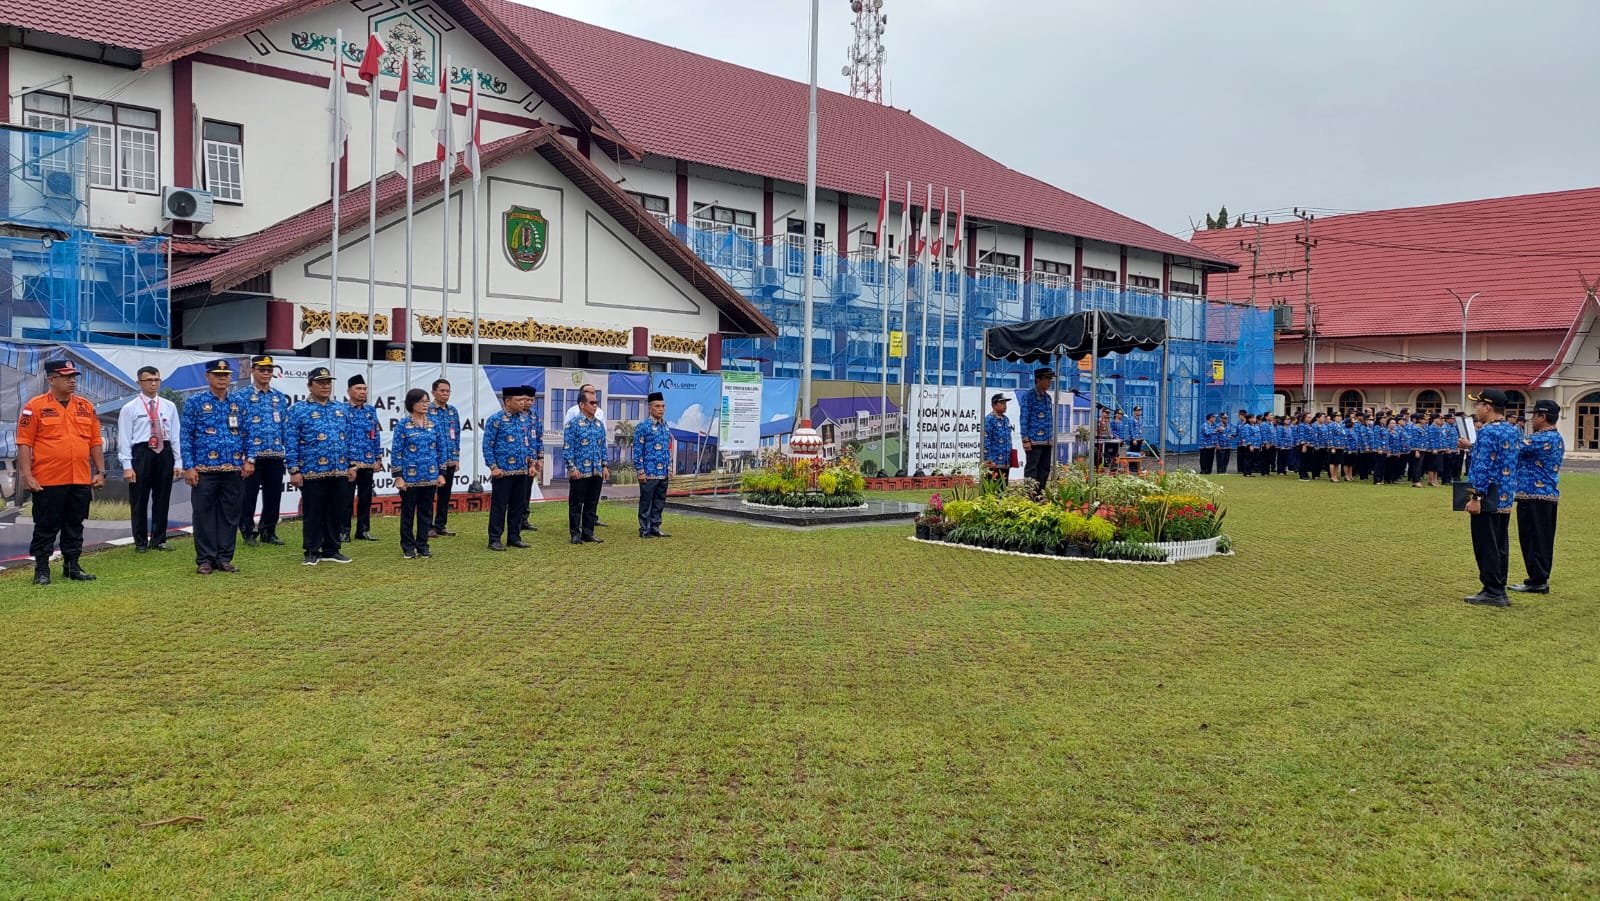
point(148, 443)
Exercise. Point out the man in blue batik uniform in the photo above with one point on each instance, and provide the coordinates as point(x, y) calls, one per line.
point(583, 448)
point(652, 459)
point(266, 412)
point(1037, 410)
point(996, 445)
point(366, 456)
point(215, 467)
point(507, 449)
point(447, 419)
point(318, 460)
point(1538, 471)
point(1493, 484)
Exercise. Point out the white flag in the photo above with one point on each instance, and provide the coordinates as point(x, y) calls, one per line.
point(338, 123)
point(402, 117)
point(472, 156)
point(443, 133)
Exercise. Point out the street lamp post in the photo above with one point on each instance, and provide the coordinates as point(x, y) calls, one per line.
point(1466, 305)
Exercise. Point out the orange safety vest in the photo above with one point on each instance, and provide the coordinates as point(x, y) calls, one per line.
point(61, 437)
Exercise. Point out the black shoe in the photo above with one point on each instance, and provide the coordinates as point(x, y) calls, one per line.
point(163, 546)
point(77, 575)
point(1525, 588)
point(659, 534)
point(529, 528)
point(367, 536)
point(344, 537)
point(647, 535)
point(409, 555)
point(42, 576)
point(602, 524)
point(337, 557)
point(496, 546)
point(577, 540)
point(312, 560)
point(590, 539)
point(204, 569)
point(140, 548)
point(272, 539)
point(1488, 600)
point(251, 540)
point(446, 532)
point(424, 552)
point(227, 566)
point(518, 543)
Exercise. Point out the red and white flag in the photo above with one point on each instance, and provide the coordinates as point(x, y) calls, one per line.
point(338, 122)
point(372, 60)
point(922, 242)
point(961, 228)
point(938, 237)
point(443, 132)
point(472, 156)
point(905, 226)
point(403, 112)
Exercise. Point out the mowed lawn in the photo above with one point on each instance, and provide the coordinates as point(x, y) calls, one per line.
point(747, 712)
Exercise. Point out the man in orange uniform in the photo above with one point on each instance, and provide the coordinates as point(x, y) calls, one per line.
point(58, 438)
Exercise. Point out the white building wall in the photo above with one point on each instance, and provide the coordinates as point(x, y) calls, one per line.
point(594, 271)
point(1146, 264)
point(1056, 248)
point(1099, 255)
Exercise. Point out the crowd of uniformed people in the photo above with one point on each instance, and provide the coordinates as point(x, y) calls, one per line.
point(234, 446)
point(1386, 447)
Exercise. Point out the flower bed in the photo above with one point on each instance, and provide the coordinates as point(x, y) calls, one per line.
point(1137, 518)
point(795, 483)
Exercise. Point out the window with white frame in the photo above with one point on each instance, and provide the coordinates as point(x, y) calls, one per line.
point(123, 151)
point(654, 204)
point(223, 146)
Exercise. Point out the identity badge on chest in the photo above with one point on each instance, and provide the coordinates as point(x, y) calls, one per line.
point(276, 416)
point(233, 420)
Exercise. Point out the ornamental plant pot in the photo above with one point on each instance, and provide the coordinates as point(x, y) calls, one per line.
point(922, 531)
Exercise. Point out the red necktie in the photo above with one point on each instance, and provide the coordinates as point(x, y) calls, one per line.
point(155, 426)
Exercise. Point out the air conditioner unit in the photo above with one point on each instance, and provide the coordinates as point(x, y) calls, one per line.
point(186, 204)
point(847, 286)
point(1282, 317)
point(59, 184)
point(768, 279)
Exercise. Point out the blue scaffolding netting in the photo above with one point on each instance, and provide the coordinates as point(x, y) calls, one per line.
point(1219, 355)
point(63, 282)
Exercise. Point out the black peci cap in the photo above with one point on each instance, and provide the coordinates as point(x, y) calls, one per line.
point(655, 396)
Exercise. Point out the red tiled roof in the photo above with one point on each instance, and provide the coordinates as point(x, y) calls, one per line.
point(1386, 272)
point(679, 104)
point(1439, 374)
point(297, 234)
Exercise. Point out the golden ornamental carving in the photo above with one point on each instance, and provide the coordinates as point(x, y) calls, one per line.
point(529, 331)
point(638, 366)
point(350, 323)
point(672, 344)
point(395, 355)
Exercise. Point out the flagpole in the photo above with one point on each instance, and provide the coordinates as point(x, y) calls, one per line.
point(922, 333)
point(961, 310)
point(887, 295)
point(336, 148)
point(944, 292)
point(446, 163)
point(374, 95)
point(477, 177)
point(905, 324)
point(411, 173)
point(811, 226)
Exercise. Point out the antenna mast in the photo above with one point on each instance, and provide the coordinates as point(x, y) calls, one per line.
point(865, 69)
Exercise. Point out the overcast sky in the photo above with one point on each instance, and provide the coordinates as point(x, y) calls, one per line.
point(1165, 109)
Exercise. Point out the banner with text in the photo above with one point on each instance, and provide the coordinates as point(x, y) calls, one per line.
point(741, 411)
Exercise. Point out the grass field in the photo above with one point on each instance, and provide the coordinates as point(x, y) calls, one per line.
point(743, 712)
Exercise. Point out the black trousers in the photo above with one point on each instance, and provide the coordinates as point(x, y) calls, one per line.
point(1247, 460)
point(1283, 460)
point(1536, 532)
point(1208, 459)
point(583, 503)
point(1038, 464)
point(652, 500)
point(1414, 461)
point(416, 517)
point(267, 481)
point(357, 503)
point(441, 497)
point(150, 495)
point(508, 507)
point(1454, 464)
point(60, 510)
point(1491, 547)
point(216, 516)
point(1222, 460)
point(320, 516)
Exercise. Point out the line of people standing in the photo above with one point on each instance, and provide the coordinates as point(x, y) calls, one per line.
point(1387, 448)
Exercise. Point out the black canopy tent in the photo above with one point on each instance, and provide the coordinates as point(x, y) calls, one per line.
point(1091, 333)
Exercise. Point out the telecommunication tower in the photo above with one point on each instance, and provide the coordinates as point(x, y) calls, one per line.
point(865, 69)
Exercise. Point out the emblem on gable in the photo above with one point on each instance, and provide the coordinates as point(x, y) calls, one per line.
point(526, 236)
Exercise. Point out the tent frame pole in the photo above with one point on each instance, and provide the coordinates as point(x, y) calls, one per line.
point(1095, 447)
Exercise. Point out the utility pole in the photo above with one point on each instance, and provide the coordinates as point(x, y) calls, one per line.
point(1254, 247)
point(1309, 342)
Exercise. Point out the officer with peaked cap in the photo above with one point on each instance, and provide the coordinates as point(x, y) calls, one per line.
point(61, 460)
point(215, 467)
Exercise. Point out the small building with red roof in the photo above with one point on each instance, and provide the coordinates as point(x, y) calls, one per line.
point(1385, 329)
